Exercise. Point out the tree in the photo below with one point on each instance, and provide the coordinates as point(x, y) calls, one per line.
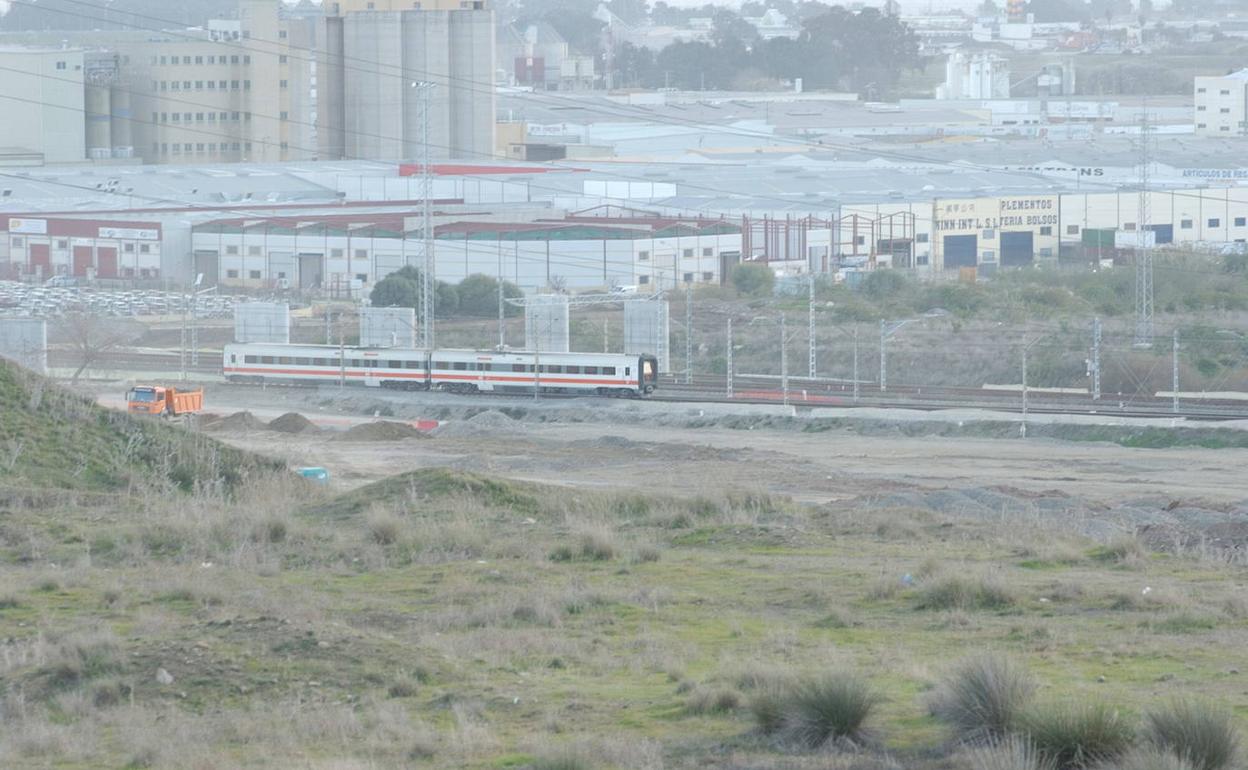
point(478, 296)
point(882, 284)
point(395, 291)
point(445, 300)
point(988, 8)
point(754, 280)
point(93, 338)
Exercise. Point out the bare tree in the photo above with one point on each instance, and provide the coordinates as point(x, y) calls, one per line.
point(93, 338)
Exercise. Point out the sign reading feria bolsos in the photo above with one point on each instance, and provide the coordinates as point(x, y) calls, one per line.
point(972, 215)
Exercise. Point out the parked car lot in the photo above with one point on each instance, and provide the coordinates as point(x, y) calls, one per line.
point(52, 301)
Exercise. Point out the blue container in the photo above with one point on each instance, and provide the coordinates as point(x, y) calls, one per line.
point(314, 473)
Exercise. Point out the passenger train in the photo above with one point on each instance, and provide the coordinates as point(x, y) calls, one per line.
point(457, 371)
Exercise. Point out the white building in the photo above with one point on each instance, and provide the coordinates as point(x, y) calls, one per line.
point(1222, 105)
point(42, 93)
point(978, 76)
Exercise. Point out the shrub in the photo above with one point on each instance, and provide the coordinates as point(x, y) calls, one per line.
point(1151, 759)
point(713, 701)
point(564, 760)
point(403, 687)
point(1078, 735)
point(1010, 753)
point(1202, 734)
point(962, 592)
point(592, 545)
point(1123, 550)
point(384, 527)
point(830, 709)
point(767, 705)
point(983, 698)
point(753, 280)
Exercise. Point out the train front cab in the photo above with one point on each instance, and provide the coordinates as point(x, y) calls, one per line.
point(648, 366)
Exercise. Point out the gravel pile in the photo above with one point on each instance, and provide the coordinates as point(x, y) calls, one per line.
point(380, 431)
point(292, 422)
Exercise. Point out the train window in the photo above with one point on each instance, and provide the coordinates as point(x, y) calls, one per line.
point(233, 359)
point(608, 370)
point(287, 360)
point(413, 365)
point(302, 361)
point(460, 366)
point(320, 361)
point(518, 368)
point(556, 369)
point(591, 370)
point(266, 359)
point(357, 363)
point(628, 370)
point(395, 364)
point(249, 359)
point(573, 369)
point(441, 365)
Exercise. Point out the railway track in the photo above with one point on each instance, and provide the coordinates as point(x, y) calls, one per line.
point(804, 393)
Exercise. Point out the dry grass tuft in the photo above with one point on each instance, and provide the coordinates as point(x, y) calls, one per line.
point(1203, 735)
point(983, 698)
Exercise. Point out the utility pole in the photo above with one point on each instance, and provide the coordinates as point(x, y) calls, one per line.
point(688, 333)
point(883, 358)
point(606, 335)
point(784, 361)
point(728, 361)
point(810, 324)
point(855, 363)
point(1174, 374)
point(502, 322)
point(186, 303)
point(537, 367)
point(1143, 253)
point(1095, 366)
point(428, 286)
point(1026, 347)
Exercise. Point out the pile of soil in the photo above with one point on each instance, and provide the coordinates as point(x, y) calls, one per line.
point(380, 431)
point(488, 423)
point(234, 423)
point(292, 422)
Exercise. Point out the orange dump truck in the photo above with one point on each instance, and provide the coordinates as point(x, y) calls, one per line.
point(154, 399)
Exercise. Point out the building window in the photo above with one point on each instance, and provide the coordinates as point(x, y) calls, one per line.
point(128, 248)
point(164, 148)
point(173, 86)
point(231, 273)
point(162, 61)
point(361, 253)
point(233, 85)
point(335, 253)
point(1224, 92)
point(707, 251)
point(221, 84)
point(229, 250)
point(282, 84)
point(643, 279)
point(1241, 221)
point(155, 117)
point(253, 251)
point(199, 117)
point(1224, 128)
point(281, 59)
point(212, 60)
point(284, 146)
point(254, 275)
point(1200, 125)
point(1185, 224)
point(1200, 90)
point(186, 60)
point(1215, 222)
point(1046, 230)
point(177, 117)
point(246, 59)
point(145, 248)
point(246, 117)
point(1225, 110)
point(199, 85)
point(643, 255)
point(990, 256)
point(281, 34)
point(989, 235)
point(1072, 229)
point(186, 117)
point(246, 85)
point(234, 116)
point(361, 277)
point(212, 117)
point(233, 60)
point(186, 85)
point(17, 243)
point(1201, 108)
point(60, 65)
point(688, 277)
point(62, 244)
point(688, 253)
point(708, 276)
point(285, 115)
point(199, 60)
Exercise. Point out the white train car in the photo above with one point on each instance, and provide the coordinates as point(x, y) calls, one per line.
point(458, 371)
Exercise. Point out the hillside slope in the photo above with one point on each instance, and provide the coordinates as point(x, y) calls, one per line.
point(52, 438)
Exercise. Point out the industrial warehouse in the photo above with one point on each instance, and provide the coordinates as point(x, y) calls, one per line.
point(300, 228)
